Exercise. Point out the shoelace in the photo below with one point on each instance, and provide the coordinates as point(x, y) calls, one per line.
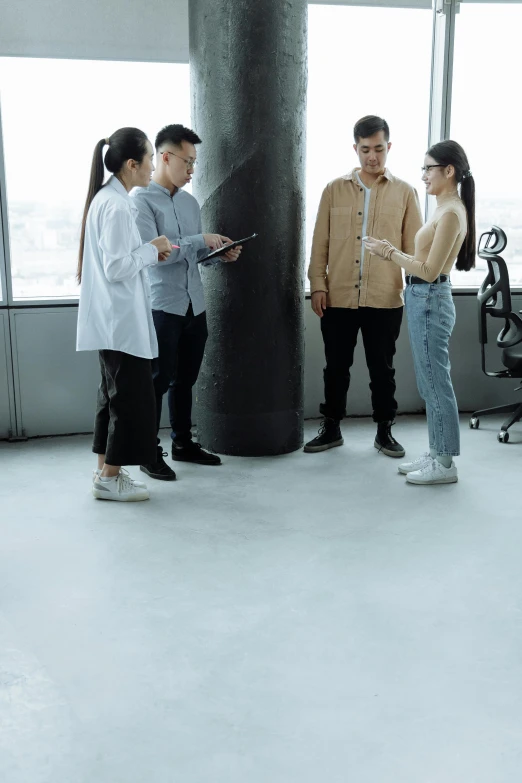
point(390, 438)
point(422, 458)
point(322, 429)
point(124, 481)
point(433, 463)
point(126, 474)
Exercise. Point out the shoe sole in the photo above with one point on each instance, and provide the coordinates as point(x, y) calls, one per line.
point(314, 449)
point(398, 454)
point(452, 480)
point(121, 500)
point(158, 476)
point(197, 461)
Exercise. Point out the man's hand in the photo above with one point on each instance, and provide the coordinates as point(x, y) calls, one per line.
point(319, 302)
point(232, 255)
point(215, 241)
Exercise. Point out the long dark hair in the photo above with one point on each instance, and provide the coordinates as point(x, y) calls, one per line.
point(449, 153)
point(125, 144)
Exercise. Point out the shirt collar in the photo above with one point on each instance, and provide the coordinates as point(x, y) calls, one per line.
point(114, 182)
point(154, 184)
point(352, 178)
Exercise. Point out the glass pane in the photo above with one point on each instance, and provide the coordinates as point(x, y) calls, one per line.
point(485, 119)
point(365, 60)
point(73, 103)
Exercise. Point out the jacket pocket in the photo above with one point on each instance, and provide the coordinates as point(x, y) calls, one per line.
point(389, 224)
point(340, 222)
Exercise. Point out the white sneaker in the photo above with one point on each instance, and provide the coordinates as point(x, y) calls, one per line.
point(126, 472)
point(417, 464)
point(434, 473)
point(121, 487)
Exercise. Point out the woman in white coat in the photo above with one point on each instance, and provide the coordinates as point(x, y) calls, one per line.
point(114, 316)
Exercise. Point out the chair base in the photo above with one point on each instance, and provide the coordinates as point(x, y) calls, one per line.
point(514, 408)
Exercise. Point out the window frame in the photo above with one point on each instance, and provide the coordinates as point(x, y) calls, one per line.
point(5, 261)
point(443, 55)
point(443, 43)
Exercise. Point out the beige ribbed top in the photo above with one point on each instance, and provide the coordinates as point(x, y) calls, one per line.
point(438, 242)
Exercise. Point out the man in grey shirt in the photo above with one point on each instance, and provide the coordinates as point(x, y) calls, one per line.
point(178, 304)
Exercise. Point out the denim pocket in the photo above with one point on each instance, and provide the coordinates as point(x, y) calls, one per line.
point(446, 309)
point(420, 291)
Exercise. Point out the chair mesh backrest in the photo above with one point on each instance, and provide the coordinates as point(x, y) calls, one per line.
point(495, 288)
point(494, 295)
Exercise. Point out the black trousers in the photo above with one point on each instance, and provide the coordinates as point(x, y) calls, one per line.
point(125, 423)
point(380, 329)
point(181, 345)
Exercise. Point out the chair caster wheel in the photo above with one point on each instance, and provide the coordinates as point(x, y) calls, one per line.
point(474, 423)
point(503, 436)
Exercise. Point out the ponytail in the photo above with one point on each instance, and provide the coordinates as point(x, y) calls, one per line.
point(95, 185)
point(467, 253)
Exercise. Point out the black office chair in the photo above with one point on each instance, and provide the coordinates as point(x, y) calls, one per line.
point(494, 298)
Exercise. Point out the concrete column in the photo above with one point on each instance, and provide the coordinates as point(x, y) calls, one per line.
point(248, 82)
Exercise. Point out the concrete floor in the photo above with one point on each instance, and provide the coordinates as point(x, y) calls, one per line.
point(301, 619)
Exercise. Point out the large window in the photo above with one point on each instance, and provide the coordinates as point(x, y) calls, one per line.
point(53, 113)
point(365, 60)
point(485, 119)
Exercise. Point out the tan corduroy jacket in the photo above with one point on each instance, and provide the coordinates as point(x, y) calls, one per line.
point(394, 214)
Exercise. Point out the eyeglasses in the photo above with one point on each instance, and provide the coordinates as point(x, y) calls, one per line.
point(190, 164)
point(425, 169)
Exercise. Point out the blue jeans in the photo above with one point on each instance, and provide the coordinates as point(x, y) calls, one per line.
point(431, 318)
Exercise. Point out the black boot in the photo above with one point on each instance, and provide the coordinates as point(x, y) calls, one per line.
point(192, 452)
point(159, 469)
point(329, 436)
point(385, 442)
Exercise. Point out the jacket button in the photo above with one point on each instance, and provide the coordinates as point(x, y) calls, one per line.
point(358, 237)
point(357, 261)
point(360, 189)
point(357, 285)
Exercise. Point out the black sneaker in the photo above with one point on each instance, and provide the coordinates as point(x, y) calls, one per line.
point(385, 442)
point(192, 452)
point(159, 469)
point(329, 436)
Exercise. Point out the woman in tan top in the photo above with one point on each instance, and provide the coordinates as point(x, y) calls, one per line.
point(447, 237)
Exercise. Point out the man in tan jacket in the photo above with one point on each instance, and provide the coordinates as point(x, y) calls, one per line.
point(353, 290)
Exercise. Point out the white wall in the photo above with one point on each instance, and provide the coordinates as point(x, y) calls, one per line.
point(57, 386)
point(98, 29)
point(474, 390)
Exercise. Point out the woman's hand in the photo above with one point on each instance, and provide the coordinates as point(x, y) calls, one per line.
point(163, 247)
point(377, 247)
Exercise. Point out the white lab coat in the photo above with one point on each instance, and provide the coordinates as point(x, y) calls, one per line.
point(115, 310)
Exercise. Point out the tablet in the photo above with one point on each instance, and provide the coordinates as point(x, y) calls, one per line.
point(225, 248)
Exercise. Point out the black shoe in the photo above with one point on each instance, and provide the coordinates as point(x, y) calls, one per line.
point(385, 442)
point(159, 469)
point(192, 452)
point(329, 436)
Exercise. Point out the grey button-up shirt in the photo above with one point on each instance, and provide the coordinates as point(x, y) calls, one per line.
point(176, 282)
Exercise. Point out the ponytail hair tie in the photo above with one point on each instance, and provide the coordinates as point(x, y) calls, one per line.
point(466, 174)
point(107, 142)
